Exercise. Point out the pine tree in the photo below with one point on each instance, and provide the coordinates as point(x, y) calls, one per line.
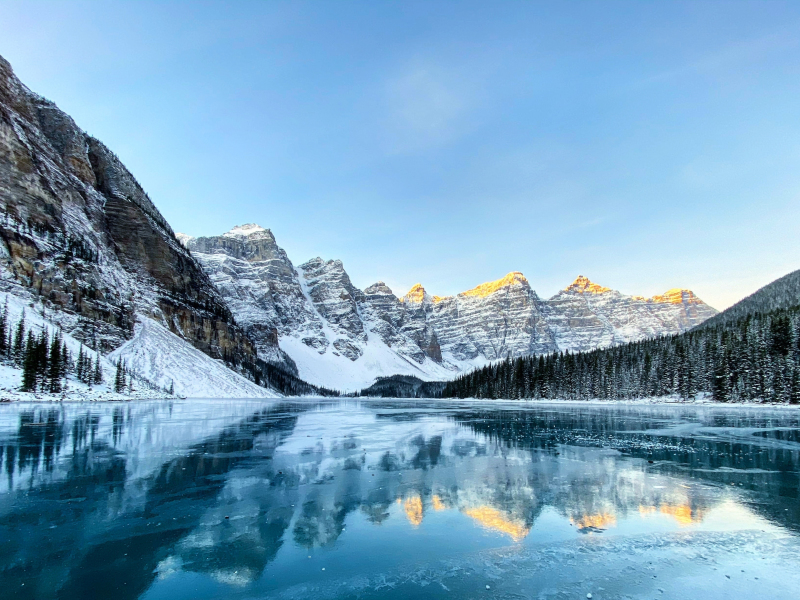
point(80, 364)
point(18, 346)
point(98, 371)
point(43, 361)
point(119, 380)
point(28, 357)
point(54, 371)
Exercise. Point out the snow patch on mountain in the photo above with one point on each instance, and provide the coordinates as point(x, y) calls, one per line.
point(164, 358)
point(336, 371)
point(243, 231)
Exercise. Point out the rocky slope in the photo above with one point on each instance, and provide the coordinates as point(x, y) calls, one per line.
point(339, 336)
point(329, 332)
point(80, 235)
point(585, 316)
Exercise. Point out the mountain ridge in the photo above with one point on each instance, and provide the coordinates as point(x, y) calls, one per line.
point(320, 317)
point(784, 292)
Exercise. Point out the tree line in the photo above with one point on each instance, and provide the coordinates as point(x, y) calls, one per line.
point(753, 358)
point(45, 360)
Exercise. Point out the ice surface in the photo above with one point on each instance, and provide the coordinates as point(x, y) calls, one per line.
point(345, 498)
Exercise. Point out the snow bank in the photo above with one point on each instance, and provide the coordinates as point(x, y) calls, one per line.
point(162, 357)
point(36, 319)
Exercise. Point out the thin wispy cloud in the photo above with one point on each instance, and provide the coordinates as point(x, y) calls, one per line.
point(731, 56)
point(426, 106)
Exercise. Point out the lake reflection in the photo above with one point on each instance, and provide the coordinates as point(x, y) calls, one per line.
point(400, 499)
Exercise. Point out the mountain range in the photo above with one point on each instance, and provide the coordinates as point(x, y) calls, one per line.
point(83, 245)
point(312, 320)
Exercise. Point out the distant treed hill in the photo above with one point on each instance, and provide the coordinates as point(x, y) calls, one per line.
point(754, 358)
point(781, 293)
point(286, 383)
point(403, 386)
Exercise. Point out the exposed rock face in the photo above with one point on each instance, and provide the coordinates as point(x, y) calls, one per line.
point(586, 316)
point(491, 321)
point(260, 285)
point(79, 232)
point(394, 324)
point(335, 300)
point(332, 329)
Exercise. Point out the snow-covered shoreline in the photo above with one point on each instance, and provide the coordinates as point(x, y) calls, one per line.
point(656, 401)
point(14, 396)
point(157, 360)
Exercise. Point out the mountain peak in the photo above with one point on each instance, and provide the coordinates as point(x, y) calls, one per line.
point(184, 239)
point(378, 288)
point(583, 285)
point(416, 294)
point(677, 296)
point(490, 287)
point(246, 230)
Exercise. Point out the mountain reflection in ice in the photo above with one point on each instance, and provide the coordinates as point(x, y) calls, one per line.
point(256, 498)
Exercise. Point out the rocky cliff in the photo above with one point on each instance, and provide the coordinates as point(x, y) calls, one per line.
point(585, 316)
point(78, 233)
point(340, 336)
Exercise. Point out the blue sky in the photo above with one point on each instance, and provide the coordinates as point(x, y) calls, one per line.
point(646, 145)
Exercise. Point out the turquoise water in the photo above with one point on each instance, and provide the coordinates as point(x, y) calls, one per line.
point(397, 499)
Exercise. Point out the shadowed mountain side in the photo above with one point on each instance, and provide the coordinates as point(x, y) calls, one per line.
point(782, 293)
point(79, 233)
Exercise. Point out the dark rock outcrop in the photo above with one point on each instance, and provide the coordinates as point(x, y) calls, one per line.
point(78, 232)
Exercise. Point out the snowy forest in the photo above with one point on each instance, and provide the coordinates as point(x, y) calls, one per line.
point(752, 358)
point(44, 359)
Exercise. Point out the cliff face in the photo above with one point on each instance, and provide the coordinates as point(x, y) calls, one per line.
point(343, 337)
point(78, 232)
point(586, 316)
point(491, 321)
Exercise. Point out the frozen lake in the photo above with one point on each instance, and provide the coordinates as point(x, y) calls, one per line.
point(397, 499)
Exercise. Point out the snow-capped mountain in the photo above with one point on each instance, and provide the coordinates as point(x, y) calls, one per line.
point(329, 332)
point(336, 335)
point(81, 238)
point(585, 316)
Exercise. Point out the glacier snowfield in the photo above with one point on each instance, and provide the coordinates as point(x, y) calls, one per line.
point(343, 498)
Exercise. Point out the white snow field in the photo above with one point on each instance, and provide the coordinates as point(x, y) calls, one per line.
point(164, 358)
point(338, 372)
point(158, 358)
point(36, 319)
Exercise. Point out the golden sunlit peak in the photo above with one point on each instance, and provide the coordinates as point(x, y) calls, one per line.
point(598, 521)
point(413, 509)
point(676, 296)
point(682, 513)
point(484, 289)
point(417, 294)
point(584, 285)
